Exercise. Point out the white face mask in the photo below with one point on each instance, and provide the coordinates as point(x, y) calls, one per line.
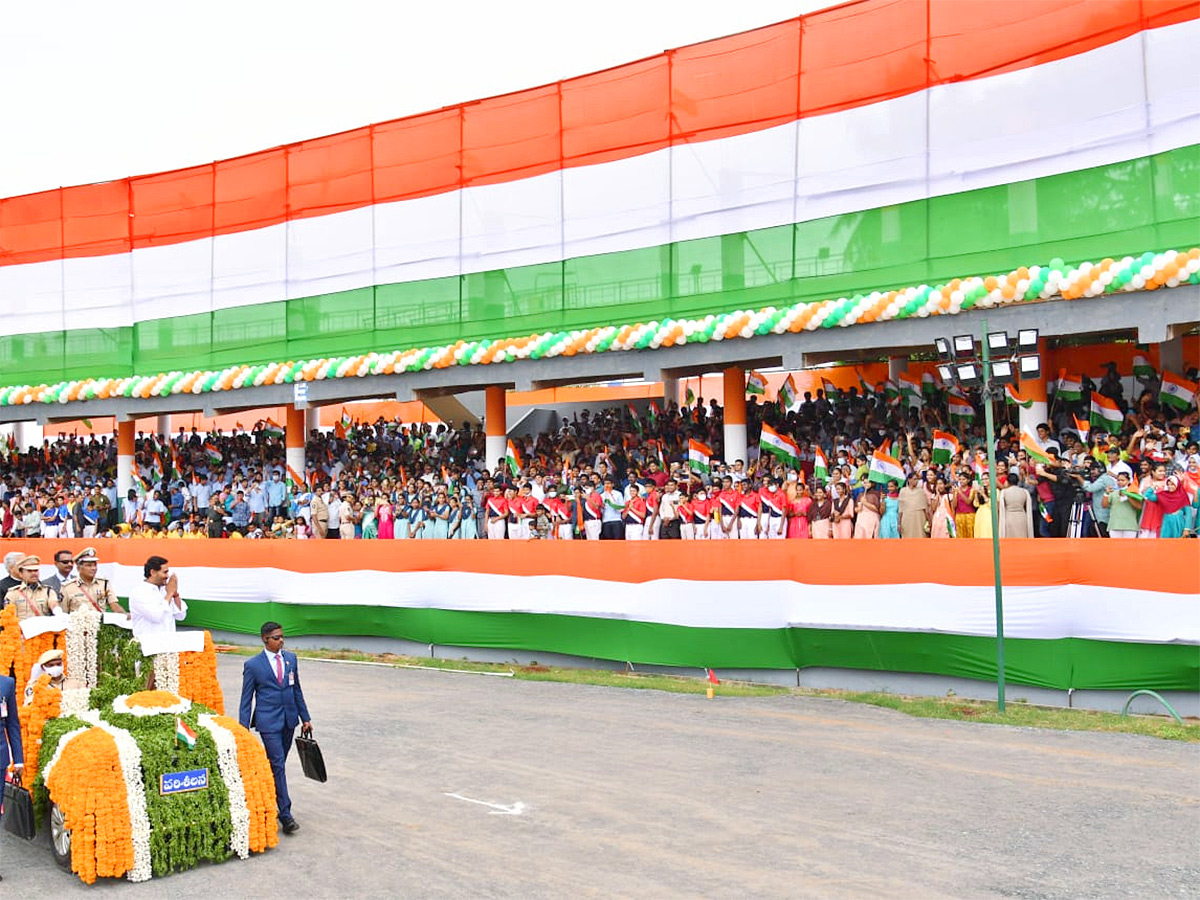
point(699, 496)
point(52, 671)
point(792, 476)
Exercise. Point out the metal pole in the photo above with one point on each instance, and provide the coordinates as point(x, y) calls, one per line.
point(992, 504)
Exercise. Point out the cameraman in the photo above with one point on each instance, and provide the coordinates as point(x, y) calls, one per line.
point(1055, 492)
point(1093, 479)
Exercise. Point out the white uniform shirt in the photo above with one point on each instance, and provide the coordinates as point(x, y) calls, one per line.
point(152, 613)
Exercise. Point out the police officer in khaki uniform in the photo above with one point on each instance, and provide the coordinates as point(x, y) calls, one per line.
point(85, 589)
point(31, 597)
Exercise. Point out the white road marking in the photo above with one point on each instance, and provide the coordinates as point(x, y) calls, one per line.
point(498, 809)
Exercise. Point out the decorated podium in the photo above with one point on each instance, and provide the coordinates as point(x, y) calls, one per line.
point(135, 769)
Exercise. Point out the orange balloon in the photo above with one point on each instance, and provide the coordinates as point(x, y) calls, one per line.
point(990, 283)
point(1008, 291)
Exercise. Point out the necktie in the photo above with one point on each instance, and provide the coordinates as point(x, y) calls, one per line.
point(279, 669)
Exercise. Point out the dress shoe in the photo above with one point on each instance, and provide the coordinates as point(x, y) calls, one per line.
point(290, 825)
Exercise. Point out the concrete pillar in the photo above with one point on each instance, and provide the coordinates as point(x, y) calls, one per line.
point(671, 392)
point(125, 434)
point(495, 421)
point(294, 435)
point(735, 414)
point(164, 426)
point(1035, 389)
point(28, 434)
point(312, 419)
point(1170, 355)
point(896, 365)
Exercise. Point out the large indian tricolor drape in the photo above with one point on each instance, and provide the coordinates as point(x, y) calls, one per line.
point(877, 144)
point(1078, 613)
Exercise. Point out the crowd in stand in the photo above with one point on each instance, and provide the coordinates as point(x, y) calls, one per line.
point(617, 474)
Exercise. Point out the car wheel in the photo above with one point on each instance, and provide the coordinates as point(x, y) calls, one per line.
point(60, 837)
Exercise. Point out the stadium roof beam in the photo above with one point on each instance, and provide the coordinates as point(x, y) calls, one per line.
point(1154, 316)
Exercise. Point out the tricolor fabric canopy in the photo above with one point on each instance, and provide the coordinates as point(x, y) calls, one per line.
point(858, 148)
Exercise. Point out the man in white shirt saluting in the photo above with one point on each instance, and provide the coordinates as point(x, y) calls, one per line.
point(155, 605)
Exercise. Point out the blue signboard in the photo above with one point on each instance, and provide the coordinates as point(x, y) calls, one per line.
point(182, 782)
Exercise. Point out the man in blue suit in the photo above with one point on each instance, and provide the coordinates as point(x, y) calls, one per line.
point(10, 729)
point(271, 683)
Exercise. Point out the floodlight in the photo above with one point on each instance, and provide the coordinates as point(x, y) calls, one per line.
point(998, 342)
point(944, 351)
point(964, 346)
point(968, 375)
point(1027, 340)
point(1003, 372)
point(946, 373)
point(1031, 366)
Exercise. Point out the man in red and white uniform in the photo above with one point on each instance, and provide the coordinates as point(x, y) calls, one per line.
point(749, 507)
point(593, 509)
point(687, 531)
point(496, 514)
point(635, 515)
point(525, 508)
point(774, 509)
point(560, 516)
point(701, 514)
point(724, 521)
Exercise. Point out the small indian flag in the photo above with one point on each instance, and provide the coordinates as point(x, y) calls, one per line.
point(885, 468)
point(295, 482)
point(272, 429)
point(655, 412)
point(513, 458)
point(185, 734)
point(779, 445)
point(1142, 368)
point(787, 394)
point(689, 397)
point(864, 388)
point(928, 384)
point(945, 445)
point(1070, 387)
point(832, 391)
point(756, 385)
point(891, 392)
point(820, 465)
point(1033, 448)
point(910, 390)
point(1013, 397)
point(1106, 414)
point(699, 455)
point(1084, 427)
point(633, 414)
point(211, 451)
point(1177, 391)
point(959, 407)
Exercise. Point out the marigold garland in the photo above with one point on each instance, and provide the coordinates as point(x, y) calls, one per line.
point(31, 651)
point(45, 705)
point(87, 782)
point(150, 703)
point(198, 676)
point(259, 785)
point(10, 638)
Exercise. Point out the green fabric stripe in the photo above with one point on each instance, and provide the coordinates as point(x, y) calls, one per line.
point(1061, 664)
point(1129, 207)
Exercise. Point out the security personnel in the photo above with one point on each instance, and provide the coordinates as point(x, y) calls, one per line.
point(86, 589)
point(31, 597)
point(10, 729)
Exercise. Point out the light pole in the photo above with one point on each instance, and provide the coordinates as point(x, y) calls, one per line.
point(960, 364)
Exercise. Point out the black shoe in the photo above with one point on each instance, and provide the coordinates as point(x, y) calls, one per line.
point(290, 825)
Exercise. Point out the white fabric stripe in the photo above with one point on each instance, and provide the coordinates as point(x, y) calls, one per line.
point(1118, 102)
point(1054, 611)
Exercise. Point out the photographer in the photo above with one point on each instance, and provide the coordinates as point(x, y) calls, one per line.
point(1097, 483)
point(1055, 493)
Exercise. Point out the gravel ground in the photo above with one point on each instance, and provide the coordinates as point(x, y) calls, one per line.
point(604, 791)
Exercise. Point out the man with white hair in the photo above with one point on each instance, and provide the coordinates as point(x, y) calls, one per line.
point(10, 579)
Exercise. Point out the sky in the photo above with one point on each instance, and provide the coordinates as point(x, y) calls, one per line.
point(100, 91)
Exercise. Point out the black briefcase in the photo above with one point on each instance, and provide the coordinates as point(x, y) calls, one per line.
point(18, 810)
point(311, 759)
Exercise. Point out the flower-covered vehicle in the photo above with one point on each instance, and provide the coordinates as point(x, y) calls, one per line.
point(131, 781)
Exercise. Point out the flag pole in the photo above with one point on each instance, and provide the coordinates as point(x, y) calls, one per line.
point(994, 509)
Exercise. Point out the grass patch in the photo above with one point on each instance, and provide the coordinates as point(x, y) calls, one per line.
point(1019, 713)
point(954, 708)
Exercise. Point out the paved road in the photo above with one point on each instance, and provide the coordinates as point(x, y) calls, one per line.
point(662, 795)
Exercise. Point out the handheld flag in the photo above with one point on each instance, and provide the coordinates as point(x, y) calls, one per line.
point(1142, 368)
point(928, 385)
point(756, 385)
point(959, 407)
point(945, 445)
point(1070, 387)
point(184, 733)
point(1033, 448)
point(699, 456)
point(1013, 397)
point(884, 468)
point(787, 394)
point(779, 445)
point(1105, 413)
point(655, 412)
point(513, 458)
point(210, 450)
point(689, 397)
point(295, 482)
point(910, 390)
point(712, 676)
point(820, 466)
point(832, 392)
point(272, 429)
point(1084, 427)
point(633, 414)
point(1177, 391)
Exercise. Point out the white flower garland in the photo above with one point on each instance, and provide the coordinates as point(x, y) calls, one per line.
point(82, 639)
point(166, 672)
point(74, 701)
point(121, 705)
point(231, 773)
point(130, 755)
